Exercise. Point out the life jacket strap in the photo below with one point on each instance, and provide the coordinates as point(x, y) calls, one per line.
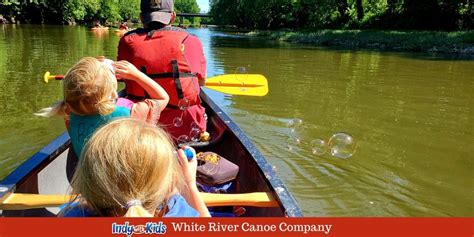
point(170, 74)
point(143, 69)
point(177, 83)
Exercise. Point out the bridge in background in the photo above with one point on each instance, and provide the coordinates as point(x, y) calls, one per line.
point(183, 15)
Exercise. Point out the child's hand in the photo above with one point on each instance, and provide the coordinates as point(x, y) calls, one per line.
point(126, 70)
point(189, 168)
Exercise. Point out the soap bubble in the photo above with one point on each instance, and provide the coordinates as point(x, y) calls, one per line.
point(241, 70)
point(293, 132)
point(182, 139)
point(210, 168)
point(243, 89)
point(318, 147)
point(194, 134)
point(183, 104)
point(194, 125)
point(178, 122)
point(294, 123)
point(294, 141)
point(290, 148)
point(341, 145)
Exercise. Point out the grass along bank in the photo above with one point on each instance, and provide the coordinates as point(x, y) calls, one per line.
point(419, 41)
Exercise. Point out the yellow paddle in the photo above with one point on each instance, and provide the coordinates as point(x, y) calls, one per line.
point(233, 84)
point(22, 201)
point(239, 84)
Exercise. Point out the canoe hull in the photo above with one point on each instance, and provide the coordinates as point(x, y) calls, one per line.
point(47, 171)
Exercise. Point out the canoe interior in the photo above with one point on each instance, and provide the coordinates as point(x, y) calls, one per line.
point(47, 171)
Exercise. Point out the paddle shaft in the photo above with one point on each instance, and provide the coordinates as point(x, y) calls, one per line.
point(23, 201)
point(56, 77)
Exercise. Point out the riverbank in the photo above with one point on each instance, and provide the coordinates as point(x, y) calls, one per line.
point(424, 41)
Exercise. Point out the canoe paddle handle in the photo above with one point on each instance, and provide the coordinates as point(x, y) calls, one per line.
point(47, 77)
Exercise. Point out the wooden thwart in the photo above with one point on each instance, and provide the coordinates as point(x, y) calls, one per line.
point(23, 201)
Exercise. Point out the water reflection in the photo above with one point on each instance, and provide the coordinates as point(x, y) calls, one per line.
point(408, 115)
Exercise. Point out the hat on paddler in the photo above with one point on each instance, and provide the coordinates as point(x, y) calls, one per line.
point(157, 10)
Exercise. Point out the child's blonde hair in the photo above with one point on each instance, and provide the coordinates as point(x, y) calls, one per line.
point(87, 88)
point(128, 166)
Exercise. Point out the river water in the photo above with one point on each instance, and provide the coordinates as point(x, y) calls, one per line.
point(410, 115)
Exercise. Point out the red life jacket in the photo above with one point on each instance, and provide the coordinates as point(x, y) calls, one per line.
point(159, 54)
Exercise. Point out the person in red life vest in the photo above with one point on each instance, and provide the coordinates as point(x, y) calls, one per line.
point(123, 26)
point(173, 58)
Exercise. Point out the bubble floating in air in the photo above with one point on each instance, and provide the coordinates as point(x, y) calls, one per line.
point(194, 125)
point(178, 122)
point(183, 104)
point(318, 147)
point(241, 70)
point(182, 139)
point(294, 123)
point(293, 132)
point(293, 141)
point(194, 134)
point(211, 162)
point(342, 145)
point(290, 148)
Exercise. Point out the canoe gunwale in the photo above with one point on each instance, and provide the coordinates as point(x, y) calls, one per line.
point(39, 160)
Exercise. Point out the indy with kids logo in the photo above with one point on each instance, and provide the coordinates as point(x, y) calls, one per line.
point(150, 228)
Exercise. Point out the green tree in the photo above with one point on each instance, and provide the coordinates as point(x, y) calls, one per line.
point(187, 6)
point(129, 9)
point(343, 8)
point(81, 10)
point(109, 11)
point(360, 10)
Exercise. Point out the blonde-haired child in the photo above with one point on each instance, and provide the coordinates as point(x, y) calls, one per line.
point(136, 175)
point(90, 98)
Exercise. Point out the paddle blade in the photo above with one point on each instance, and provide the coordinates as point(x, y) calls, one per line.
point(46, 77)
point(239, 84)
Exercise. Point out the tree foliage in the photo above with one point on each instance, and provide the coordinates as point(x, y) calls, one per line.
point(308, 14)
point(79, 11)
point(187, 6)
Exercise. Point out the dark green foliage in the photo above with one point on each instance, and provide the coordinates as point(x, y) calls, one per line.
point(423, 41)
point(311, 14)
point(79, 11)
